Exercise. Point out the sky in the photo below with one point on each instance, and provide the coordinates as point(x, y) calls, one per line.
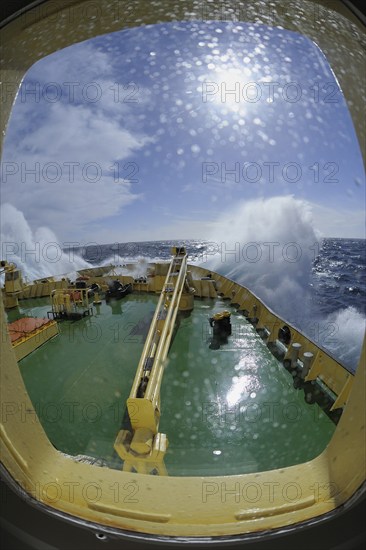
point(161, 132)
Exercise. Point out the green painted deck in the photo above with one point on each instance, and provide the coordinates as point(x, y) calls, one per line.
point(227, 411)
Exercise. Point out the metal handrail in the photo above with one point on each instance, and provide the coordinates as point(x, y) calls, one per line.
point(153, 388)
point(150, 336)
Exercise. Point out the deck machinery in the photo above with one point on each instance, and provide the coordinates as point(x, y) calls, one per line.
point(13, 284)
point(139, 443)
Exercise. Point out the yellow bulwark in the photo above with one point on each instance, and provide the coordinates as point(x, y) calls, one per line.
point(138, 442)
point(330, 483)
point(28, 333)
point(13, 284)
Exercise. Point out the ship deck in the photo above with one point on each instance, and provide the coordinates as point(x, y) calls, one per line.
point(225, 411)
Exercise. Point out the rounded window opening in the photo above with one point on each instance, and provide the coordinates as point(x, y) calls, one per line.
point(234, 141)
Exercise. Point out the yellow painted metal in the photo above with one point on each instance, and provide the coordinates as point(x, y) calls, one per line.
point(210, 506)
point(221, 315)
point(153, 389)
point(13, 284)
point(40, 289)
point(324, 366)
point(97, 301)
point(69, 300)
point(144, 449)
point(143, 414)
point(13, 281)
point(186, 302)
point(13, 278)
point(144, 454)
point(344, 394)
point(10, 300)
point(153, 504)
point(34, 340)
point(154, 284)
point(205, 289)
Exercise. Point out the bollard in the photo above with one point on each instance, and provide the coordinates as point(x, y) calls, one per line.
point(295, 354)
point(97, 300)
point(307, 360)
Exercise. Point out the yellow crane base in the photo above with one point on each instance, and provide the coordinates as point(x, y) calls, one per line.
point(150, 462)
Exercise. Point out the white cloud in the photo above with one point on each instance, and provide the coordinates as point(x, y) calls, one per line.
point(78, 63)
point(341, 223)
point(73, 144)
point(83, 74)
point(65, 197)
point(74, 133)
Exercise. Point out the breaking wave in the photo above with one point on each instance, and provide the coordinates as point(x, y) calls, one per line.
point(37, 253)
point(349, 329)
point(270, 247)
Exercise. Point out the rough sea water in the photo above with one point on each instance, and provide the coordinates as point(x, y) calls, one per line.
point(317, 285)
point(330, 309)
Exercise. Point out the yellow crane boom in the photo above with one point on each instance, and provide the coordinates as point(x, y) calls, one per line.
point(139, 442)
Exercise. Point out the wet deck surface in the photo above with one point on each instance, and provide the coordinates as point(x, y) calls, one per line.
point(225, 411)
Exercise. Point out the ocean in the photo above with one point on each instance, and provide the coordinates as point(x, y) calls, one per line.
point(317, 285)
point(327, 303)
point(339, 275)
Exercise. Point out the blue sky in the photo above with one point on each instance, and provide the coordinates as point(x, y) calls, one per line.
point(147, 113)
